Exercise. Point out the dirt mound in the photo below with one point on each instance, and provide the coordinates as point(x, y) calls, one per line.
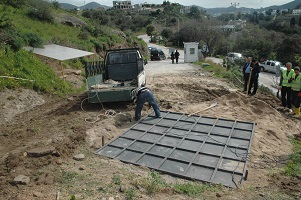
point(13, 102)
point(58, 129)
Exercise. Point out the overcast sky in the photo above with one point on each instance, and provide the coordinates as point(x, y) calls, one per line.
point(202, 3)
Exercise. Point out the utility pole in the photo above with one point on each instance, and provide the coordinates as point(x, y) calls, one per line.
point(235, 4)
point(178, 31)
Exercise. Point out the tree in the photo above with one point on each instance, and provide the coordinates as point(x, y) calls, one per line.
point(194, 12)
point(289, 48)
point(56, 4)
point(150, 29)
point(166, 32)
point(293, 22)
point(205, 31)
point(299, 21)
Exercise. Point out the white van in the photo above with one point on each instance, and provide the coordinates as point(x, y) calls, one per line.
point(232, 56)
point(272, 66)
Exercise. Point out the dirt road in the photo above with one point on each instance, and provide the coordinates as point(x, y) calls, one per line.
point(51, 145)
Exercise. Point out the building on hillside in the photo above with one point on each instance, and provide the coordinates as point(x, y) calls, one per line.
point(239, 24)
point(227, 28)
point(122, 5)
point(185, 9)
point(274, 12)
point(297, 12)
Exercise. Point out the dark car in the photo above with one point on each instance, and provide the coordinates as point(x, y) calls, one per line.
point(157, 54)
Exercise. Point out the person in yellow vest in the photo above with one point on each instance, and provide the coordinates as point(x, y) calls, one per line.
point(296, 90)
point(286, 87)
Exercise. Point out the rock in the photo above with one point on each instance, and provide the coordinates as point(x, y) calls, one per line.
point(261, 194)
point(82, 167)
point(111, 198)
point(79, 157)
point(218, 194)
point(71, 20)
point(122, 188)
point(41, 151)
point(70, 99)
point(59, 161)
point(37, 194)
point(77, 72)
point(122, 118)
point(21, 180)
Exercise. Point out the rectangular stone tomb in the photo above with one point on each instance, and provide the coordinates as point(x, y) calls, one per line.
point(207, 149)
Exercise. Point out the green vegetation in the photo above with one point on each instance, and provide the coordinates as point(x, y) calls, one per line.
point(116, 179)
point(155, 183)
point(220, 71)
point(37, 22)
point(293, 168)
point(195, 189)
point(40, 77)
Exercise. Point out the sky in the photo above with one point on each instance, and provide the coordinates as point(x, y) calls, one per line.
point(202, 3)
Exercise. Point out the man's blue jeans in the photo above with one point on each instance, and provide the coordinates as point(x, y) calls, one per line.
point(146, 96)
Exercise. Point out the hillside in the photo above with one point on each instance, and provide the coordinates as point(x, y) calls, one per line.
point(232, 9)
point(46, 24)
point(88, 6)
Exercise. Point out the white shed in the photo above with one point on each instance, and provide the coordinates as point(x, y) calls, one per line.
point(191, 52)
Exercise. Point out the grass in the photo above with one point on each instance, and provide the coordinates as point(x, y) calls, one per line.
point(220, 71)
point(154, 183)
point(293, 168)
point(24, 65)
point(194, 189)
point(40, 77)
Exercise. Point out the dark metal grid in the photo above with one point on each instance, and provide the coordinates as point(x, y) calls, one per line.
point(213, 150)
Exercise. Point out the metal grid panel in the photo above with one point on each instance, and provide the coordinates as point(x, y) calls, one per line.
point(204, 148)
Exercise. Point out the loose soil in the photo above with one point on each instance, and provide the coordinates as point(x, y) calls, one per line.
point(40, 135)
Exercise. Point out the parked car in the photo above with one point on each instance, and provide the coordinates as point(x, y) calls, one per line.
point(272, 66)
point(232, 56)
point(157, 54)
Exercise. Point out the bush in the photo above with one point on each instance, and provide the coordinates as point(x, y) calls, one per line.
point(33, 40)
point(41, 10)
point(11, 38)
point(14, 3)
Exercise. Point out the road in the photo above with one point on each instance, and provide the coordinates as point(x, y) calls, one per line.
point(269, 80)
point(165, 66)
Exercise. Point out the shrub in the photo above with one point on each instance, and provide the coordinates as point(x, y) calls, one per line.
point(40, 10)
point(33, 40)
point(14, 3)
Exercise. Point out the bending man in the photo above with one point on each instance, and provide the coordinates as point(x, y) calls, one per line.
point(140, 95)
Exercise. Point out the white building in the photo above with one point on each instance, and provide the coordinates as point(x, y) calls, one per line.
point(122, 5)
point(191, 52)
point(297, 12)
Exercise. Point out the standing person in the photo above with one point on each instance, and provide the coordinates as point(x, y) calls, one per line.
point(177, 54)
point(254, 78)
point(172, 56)
point(140, 95)
point(286, 87)
point(246, 71)
point(296, 90)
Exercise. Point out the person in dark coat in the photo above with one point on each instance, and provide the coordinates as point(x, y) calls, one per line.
point(177, 54)
point(254, 78)
point(172, 56)
point(248, 66)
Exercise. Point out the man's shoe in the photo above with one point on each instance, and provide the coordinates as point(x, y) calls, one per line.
point(290, 110)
